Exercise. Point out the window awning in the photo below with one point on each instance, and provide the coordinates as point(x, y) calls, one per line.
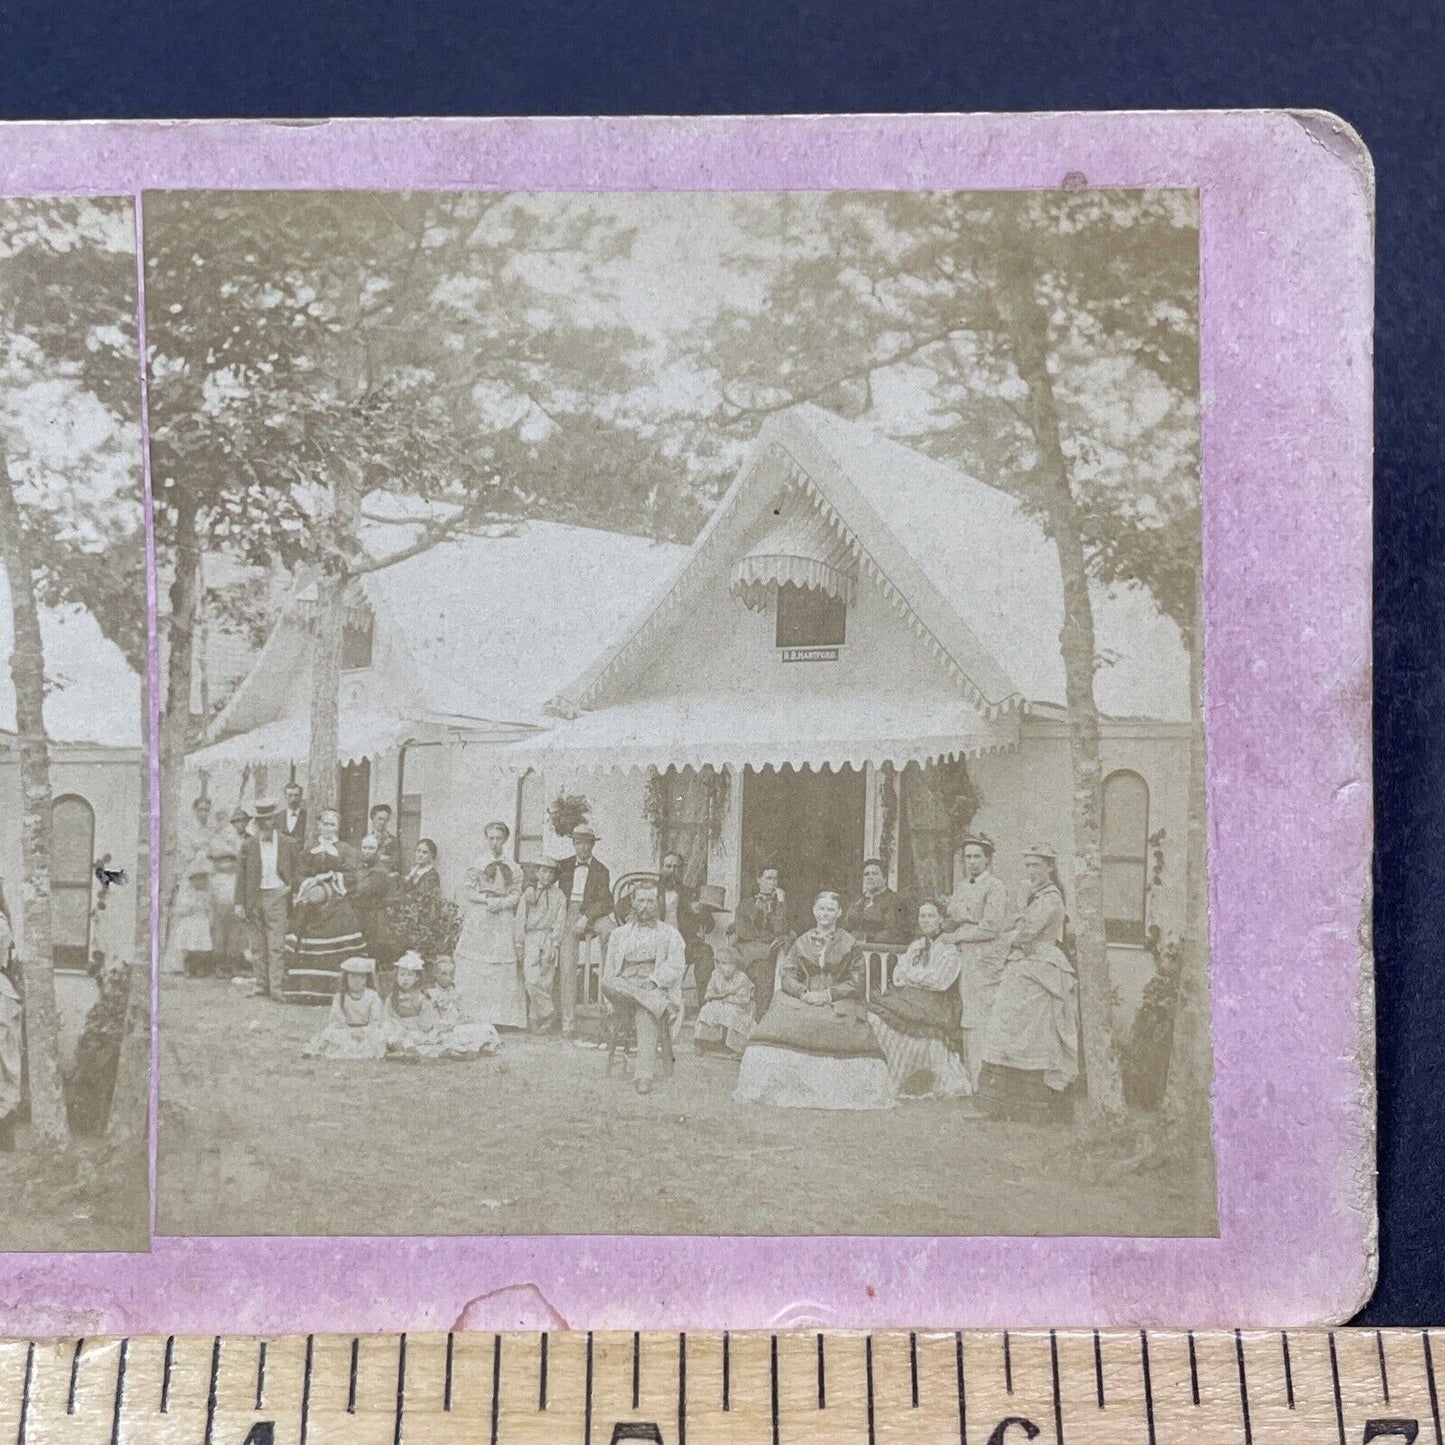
point(736, 731)
point(800, 547)
point(288, 740)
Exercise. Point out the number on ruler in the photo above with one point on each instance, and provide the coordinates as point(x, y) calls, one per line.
point(636, 1430)
point(1002, 1428)
point(263, 1432)
point(1407, 1430)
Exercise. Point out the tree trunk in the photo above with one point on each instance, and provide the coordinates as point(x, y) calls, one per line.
point(1187, 1087)
point(1026, 323)
point(27, 669)
point(330, 626)
point(176, 708)
point(127, 1127)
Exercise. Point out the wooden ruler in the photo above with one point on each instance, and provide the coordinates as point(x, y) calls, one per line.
point(984, 1387)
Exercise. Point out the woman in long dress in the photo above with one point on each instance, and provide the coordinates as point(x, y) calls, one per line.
point(324, 930)
point(916, 1022)
point(813, 1049)
point(1031, 1047)
point(489, 979)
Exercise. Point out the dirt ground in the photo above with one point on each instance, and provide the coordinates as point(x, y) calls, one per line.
point(254, 1139)
point(67, 1201)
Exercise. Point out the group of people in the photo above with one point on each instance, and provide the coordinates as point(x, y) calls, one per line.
point(265, 896)
point(981, 1005)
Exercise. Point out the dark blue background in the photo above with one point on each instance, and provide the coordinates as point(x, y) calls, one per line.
point(1380, 65)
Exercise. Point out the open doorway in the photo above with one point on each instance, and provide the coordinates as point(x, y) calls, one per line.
point(810, 825)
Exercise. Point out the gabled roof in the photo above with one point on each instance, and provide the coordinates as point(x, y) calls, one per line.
point(970, 570)
point(93, 695)
point(557, 594)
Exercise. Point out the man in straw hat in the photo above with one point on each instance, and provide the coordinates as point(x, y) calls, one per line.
point(270, 869)
point(540, 925)
point(977, 919)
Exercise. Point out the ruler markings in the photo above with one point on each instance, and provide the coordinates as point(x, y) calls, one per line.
point(166, 1374)
point(1335, 1376)
point(682, 1388)
point(1384, 1373)
point(868, 1385)
point(636, 1367)
point(1430, 1379)
point(401, 1386)
point(913, 1364)
point(74, 1376)
point(261, 1376)
point(822, 1377)
point(351, 1387)
point(447, 1380)
point(1008, 1365)
point(541, 1374)
point(962, 1389)
point(1148, 1383)
point(30, 1375)
point(497, 1386)
point(1098, 1371)
point(587, 1424)
point(306, 1390)
point(1243, 1388)
point(1288, 1370)
point(211, 1389)
point(1194, 1369)
point(119, 1394)
point(1058, 1402)
point(773, 1377)
point(727, 1372)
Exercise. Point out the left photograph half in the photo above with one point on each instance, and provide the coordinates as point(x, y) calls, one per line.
point(74, 780)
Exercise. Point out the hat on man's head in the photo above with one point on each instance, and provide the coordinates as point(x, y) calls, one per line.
point(981, 840)
point(713, 897)
point(545, 862)
point(358, 965)
point(1041, 850)
point(585, 830)
point(266, 809)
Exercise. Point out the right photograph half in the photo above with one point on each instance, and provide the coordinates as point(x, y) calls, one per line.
point(681, 713)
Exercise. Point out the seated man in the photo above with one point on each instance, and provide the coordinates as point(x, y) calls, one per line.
point(760, 932)
point(880, 916)
point(642, 979)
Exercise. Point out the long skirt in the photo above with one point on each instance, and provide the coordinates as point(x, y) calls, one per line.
point(343, 1041)
point(808, 1056)
point(723, 1025)
point(1021, 1096)
point(920, 1067)
point(1034, 1026)
point(489, 980)
point(322, 937)
point(917, 1029)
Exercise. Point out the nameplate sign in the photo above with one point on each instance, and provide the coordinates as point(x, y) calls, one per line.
point(810, 654)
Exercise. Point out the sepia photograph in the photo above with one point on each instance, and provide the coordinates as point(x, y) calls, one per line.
point(75, 915)
point(681, 713)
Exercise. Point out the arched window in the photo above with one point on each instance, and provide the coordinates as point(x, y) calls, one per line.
point(1125, 856)
point(72, 856)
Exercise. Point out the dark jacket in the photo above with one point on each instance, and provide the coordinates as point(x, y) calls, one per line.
point(597, 901)
point(248, 870)
point(347, 862)
point(757, 921)
point(690, 923)
point(372, 898)
point(299, 831)
point(884, 918)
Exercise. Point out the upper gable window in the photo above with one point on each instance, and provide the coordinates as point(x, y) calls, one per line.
point(356, 642)
point(810, 617)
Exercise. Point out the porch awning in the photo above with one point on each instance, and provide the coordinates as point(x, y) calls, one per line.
point(732, 730)
point(288, 740)
point(800, 547)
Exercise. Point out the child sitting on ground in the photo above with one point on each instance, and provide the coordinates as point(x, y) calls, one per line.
point(725, 1020)
point(353, 1027)
point(460, 1036)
